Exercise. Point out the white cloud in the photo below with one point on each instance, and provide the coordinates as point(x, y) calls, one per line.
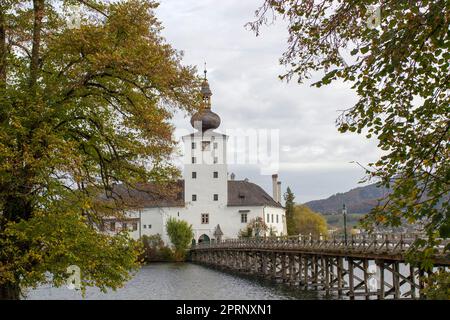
point(243, 73)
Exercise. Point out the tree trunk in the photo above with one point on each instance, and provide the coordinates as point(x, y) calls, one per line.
point(38, 6)
point(3, 55)
point(9, 291)
point(3, 50)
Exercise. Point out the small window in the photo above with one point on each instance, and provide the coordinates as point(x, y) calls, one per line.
point(277, 218)
point(268, 218)
point(112, 226)
point(194, 197)
point(215, 145)
point(216, 160)
point(194, 175)
point(194, 160)
point(206, 145)
point(216, 197)
point(205, 218)
point(193, 145)
point(135, 226)
point(125, 225)
point(243, 218)
point(215, 174)
point(272, 217)
point(149, 226)
point(145, 226)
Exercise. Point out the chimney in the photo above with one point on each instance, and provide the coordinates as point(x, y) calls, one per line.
point(279, 191)
point(275, 186)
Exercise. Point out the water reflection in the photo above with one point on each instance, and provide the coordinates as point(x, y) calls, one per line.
point(182, 281)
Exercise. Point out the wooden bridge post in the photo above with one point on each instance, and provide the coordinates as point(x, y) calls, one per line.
point(412, 275)
point(366, 278)
point(292, 269)
point(396, 279)
point(300, 269)
point(327, 275)
point(305, 269)
point(381, 289)
point(315, 267)
point(264, 264)
point(351, 279)
point(274, 265)
point(284, 257)
point(248, 261)
point(340, 274)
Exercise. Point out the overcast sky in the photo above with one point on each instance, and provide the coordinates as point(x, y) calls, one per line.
point(243, 74)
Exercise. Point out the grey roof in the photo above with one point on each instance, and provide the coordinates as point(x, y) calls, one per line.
point(149, 195)
point(244, 193)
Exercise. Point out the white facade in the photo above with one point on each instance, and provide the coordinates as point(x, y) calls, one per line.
point(207, 202)
point(153, 220)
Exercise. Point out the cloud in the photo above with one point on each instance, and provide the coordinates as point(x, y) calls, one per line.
point(243, 73)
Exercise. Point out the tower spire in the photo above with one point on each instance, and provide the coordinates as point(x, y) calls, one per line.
point(205, 119)
point(206, 91)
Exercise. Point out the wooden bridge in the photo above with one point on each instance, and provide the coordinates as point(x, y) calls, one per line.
point(369, 267)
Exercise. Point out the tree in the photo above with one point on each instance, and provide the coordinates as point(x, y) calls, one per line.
point(308, 222)
point(255, 228)
point(400, 73)
point(180, 234)
point(289, 205)
point(155, 249)
point(82, 107)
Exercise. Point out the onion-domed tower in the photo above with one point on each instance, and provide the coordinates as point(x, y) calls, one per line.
point(205, 168)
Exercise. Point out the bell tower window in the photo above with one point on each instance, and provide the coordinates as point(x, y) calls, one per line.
point(206, 145)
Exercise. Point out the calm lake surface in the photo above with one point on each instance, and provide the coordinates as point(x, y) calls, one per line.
point(171, 281)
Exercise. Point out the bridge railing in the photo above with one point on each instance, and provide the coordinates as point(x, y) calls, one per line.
point(385, 243)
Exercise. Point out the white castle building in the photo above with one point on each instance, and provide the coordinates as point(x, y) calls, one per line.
point(212, 201)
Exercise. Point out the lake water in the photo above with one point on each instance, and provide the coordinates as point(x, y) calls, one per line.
point(184, 281)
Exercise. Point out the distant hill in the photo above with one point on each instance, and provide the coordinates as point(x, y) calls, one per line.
point(359, 200)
